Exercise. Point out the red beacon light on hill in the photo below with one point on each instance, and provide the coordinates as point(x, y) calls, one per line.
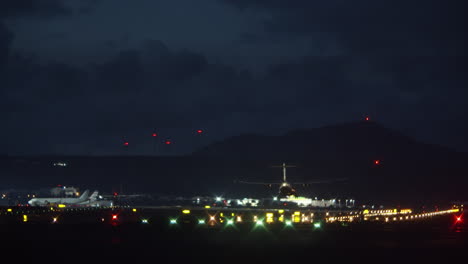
point(199, 131)
point(125, 143)
point(167, 142)
point(367, 118)
point(154, 135)
point(377, 162)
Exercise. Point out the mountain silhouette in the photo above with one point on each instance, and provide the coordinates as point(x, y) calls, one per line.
point(380, 165)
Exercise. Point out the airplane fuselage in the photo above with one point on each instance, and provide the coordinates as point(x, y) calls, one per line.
point(286, 190)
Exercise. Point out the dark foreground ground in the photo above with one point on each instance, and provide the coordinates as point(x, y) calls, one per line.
point(438, 240)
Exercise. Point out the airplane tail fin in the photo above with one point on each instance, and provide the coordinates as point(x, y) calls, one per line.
point(84, 196)
point(94, 196)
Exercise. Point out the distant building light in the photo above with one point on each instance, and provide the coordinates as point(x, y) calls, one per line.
point(60, 164)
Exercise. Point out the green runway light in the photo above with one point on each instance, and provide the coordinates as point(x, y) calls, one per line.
point(259, 222)
point(317, 225)
point(230, 222)
point(144, 221)
point(201, 221)
point(288, 223)
point(173, 221)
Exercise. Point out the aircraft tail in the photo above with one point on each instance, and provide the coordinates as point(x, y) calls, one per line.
point(84, 196)
point(94, 196)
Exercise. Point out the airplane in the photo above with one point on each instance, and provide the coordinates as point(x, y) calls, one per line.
point(285, 188)
point(59, 200)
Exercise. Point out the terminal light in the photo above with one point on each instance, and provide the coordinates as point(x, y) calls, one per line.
point(25, 218)
point(186, 211)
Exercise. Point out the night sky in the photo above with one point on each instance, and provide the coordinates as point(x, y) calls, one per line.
point(84, 76)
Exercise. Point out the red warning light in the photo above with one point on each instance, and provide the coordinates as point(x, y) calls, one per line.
point(154, 135)
point(115, 194)
point(458, 219)
point(168, 142)
point(376, 162)
point(114, 217)
point(367, 118)
point(125, 143)
point(199, 131)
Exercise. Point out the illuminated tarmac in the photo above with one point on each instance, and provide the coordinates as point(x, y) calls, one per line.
point(216, 217)
point(123, 233)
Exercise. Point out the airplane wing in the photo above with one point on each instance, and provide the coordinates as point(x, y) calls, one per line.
point(319, 181)
point(259, 183)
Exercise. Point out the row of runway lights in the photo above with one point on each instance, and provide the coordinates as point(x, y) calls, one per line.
point(296, 217)
point(385, 215)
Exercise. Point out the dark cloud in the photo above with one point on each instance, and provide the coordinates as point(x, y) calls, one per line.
point(33, 8)
point(134, 92)
point(6, 38)
point(384, 27)
point(411, 50)
point(404, 63)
